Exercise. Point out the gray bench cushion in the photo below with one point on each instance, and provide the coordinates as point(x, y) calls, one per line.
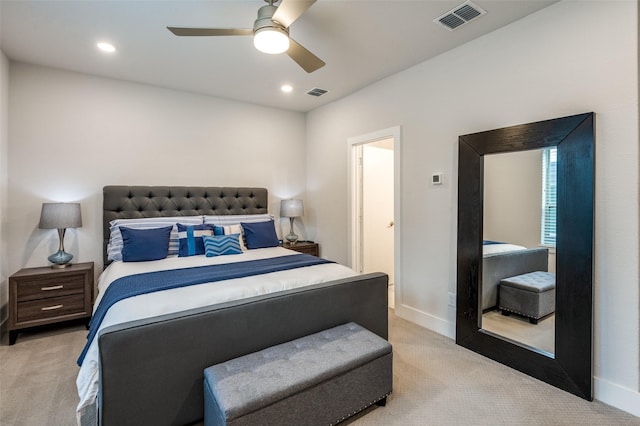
point(532, 295)
point(249, 383)
point(537, 282)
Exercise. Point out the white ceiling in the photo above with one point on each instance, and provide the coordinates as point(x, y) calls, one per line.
point(361, 42)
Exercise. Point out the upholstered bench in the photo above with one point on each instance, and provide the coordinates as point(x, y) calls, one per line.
point(322, 378)
point(532, 295)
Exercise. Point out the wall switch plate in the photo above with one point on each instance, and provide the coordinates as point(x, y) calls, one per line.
point(452, 299)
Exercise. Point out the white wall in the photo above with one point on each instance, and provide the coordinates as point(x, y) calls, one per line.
point(4, 182)
point(513, 197)
point(563, 60)
point(71, 134)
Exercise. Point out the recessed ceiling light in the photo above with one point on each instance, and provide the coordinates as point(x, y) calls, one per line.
point(106, 47)
point(287, 88)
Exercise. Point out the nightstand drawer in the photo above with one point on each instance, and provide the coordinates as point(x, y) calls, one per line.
point(34, 289)
point(50, 308)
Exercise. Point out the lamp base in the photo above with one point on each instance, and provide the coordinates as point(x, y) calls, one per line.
point(291, 238)
point(64, 265)
point(60, 259)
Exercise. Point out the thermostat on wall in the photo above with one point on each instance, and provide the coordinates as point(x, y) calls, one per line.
point(436, 178)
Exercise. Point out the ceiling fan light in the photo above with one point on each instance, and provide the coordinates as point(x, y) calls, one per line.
point(106, 47)
point(271, 40)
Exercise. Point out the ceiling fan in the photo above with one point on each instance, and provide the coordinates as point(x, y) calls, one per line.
point(270, 32)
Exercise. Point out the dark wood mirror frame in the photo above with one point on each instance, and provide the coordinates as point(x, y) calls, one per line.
point(571, 368)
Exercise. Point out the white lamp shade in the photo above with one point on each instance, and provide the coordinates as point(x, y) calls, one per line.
point(271, 40)
point(60, 216)
point(291, 208)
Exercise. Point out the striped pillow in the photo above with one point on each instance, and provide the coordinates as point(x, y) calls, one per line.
point(190, 239)
point(220, 245)
point(236, 219)
point(114, 248)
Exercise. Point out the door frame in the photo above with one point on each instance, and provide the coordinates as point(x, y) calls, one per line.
point(354, 144)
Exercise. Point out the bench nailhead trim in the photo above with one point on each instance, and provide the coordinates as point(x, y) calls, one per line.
point(519, 313)
point(357, 411)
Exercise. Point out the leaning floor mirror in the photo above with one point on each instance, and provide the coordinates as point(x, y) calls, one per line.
point(525, 249)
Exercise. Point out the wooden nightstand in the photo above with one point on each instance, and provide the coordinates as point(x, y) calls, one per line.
point(39, 296)
point(306, 247)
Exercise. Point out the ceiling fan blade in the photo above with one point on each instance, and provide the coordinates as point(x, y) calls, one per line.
point(290, 10)
point(307, 60)
point(210, 31)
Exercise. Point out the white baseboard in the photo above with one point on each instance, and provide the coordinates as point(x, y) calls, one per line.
point(617, 396)
point(425, 320)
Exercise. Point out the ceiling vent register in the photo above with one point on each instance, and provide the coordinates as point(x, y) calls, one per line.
point(460, 15)
point(316, 91)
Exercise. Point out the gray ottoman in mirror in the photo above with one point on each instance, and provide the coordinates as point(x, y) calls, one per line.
point(532, 295)
point(322, 378)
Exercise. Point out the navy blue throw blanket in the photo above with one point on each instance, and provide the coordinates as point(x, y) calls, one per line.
point(135, 285)
point(489, 242)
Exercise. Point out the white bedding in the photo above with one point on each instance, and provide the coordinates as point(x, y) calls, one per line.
point(500, 248)
point(180, 299)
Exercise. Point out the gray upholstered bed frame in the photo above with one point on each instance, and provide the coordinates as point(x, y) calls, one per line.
point(151, 370)
point(497, 266)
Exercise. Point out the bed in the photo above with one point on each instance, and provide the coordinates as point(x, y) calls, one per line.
point(145, 365)
point(502, 260)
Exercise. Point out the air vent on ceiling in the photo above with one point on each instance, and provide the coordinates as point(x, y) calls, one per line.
point(460, 15)
point(316, 91)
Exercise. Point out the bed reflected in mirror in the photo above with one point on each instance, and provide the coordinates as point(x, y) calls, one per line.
point(518, 247)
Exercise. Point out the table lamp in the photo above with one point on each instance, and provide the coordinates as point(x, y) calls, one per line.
point(291, 209)
point(60, 216)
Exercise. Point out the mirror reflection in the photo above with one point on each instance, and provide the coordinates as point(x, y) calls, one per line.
point(519, 230)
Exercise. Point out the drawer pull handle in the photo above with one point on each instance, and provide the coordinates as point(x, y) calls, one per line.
point(53, 287)
point(51, 308)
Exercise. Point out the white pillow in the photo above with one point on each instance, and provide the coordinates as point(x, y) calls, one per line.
point(236, 229)
point(114, 248)
point(236, 219)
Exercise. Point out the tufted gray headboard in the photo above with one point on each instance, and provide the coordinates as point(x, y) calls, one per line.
point(130, 202)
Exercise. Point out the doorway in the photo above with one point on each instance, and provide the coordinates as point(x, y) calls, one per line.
point(374, 205)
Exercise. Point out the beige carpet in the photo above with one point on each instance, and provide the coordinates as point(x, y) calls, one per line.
point(436, 382)
point(37, 377)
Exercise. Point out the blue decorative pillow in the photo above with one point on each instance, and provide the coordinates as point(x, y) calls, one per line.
point(190, 239)
point(114, 248)
point(260, 234)
point(141, 245)
point(219, 245)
